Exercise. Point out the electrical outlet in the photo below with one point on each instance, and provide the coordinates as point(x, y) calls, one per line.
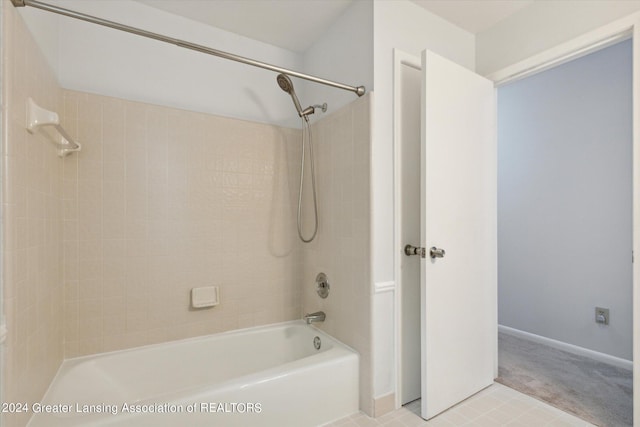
point(602, 315)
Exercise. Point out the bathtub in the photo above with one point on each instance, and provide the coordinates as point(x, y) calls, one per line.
point(264, 376)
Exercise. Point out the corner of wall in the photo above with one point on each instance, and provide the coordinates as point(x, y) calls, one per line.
point(345, 54)
point(45, 29)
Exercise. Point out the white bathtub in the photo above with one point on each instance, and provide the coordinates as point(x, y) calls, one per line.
point(265, 376)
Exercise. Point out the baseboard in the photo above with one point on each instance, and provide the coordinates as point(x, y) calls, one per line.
point(570, 348)
point(384, 405)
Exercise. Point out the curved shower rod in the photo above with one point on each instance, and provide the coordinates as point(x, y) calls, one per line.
point(358, 90)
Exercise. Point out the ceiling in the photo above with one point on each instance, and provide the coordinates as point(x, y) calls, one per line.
point(474, 16)
point(296, 24)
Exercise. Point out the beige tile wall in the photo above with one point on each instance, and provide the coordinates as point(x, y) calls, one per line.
point(160, 201)
point(343, 245)
point(31, 224)
point(102, 248)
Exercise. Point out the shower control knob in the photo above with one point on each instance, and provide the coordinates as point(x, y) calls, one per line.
point(414, 250)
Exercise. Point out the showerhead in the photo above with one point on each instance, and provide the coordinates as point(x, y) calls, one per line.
point(286, 85)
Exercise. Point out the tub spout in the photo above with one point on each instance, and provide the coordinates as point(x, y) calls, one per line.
point(318, 316)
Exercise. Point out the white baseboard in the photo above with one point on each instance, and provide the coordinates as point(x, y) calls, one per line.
point(570, 348)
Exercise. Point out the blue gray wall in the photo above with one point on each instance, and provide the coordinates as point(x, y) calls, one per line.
point(564, 201)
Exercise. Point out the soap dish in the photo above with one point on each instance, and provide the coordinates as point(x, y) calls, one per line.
point(207, 296)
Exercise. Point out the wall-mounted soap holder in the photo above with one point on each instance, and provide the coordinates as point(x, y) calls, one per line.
point(207, 296)
point(322, 285)
point(38, 117)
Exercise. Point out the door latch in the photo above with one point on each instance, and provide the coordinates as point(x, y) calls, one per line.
point(415, 250)
point(436, 252)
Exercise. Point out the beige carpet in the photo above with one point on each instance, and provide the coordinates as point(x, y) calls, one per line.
point(596, 392)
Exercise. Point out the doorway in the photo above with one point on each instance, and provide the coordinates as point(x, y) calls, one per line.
point(408, 155)
point(404, 64)
point(564, 193)
point(450, 164)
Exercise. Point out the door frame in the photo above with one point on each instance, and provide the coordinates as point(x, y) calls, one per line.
point(624, 28)
point(400, 59)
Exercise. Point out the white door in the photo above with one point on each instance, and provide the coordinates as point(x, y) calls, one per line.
point(458, 215)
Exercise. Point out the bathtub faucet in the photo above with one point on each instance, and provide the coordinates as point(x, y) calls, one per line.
point(318, 316)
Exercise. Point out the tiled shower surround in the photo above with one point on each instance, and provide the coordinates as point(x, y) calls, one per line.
point(102, 248)
point(160, 201)
point(32, 269)
point(342, 248)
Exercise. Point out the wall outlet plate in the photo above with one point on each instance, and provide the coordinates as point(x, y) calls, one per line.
point(602, 315)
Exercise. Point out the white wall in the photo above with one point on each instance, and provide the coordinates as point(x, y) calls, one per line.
point(109, 62)
point(565, 202)
point(404, 25)
point(100, 60)
point(344, 54)
point(44, 27)
point(543, 25)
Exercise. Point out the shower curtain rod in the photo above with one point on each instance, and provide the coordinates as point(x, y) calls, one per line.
point(358, 90)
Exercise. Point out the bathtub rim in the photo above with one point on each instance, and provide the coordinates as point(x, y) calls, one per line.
point(345, 352)
point(70, 362)
point(204, 337)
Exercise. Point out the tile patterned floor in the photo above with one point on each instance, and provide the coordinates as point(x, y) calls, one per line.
point(495, 406)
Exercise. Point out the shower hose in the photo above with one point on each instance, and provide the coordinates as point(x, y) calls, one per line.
point(306, 130)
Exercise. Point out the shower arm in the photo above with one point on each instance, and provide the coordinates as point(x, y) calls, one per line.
point(358, 90)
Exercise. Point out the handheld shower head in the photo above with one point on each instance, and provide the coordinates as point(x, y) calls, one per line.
point(286, 85)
